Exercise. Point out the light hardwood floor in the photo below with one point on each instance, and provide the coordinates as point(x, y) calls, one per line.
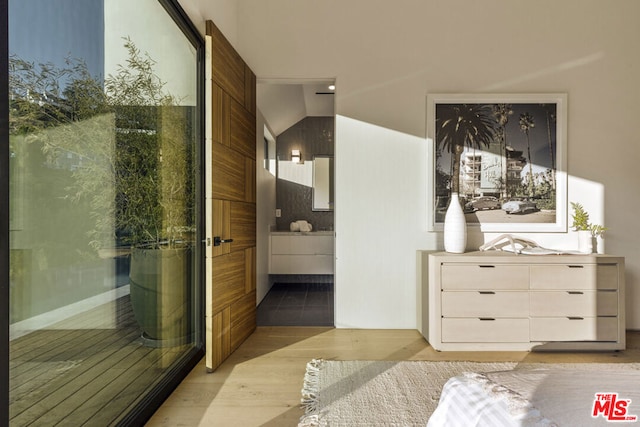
point(259, 385)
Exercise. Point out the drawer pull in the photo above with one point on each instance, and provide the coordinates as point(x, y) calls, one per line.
point(486, 292)
point(575, 293)
point(486, 266)
point(486, 319)
point(575, 266)
point(575, 318)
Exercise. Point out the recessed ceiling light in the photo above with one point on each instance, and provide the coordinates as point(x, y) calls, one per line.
point(332, 87)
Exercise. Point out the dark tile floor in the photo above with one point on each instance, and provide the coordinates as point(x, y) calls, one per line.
point(297, 304)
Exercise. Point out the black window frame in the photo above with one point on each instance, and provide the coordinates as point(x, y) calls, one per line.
point(4, 213)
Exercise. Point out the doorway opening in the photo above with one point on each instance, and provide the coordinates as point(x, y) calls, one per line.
point(299, 286)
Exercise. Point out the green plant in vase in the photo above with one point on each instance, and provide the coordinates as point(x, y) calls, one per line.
point(154, 196)
point(580, 217)
point(587, 232)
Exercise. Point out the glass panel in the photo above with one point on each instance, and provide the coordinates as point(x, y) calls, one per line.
point(103, 132)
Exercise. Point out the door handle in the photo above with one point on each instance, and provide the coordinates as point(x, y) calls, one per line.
point(217, 241)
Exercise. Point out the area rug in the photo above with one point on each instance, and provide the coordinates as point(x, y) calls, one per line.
point(379, 393)
point(406, 393)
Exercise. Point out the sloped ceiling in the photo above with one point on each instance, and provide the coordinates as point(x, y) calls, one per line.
point(285, 104)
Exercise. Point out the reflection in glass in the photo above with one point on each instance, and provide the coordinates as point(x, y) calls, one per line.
point(102, 226)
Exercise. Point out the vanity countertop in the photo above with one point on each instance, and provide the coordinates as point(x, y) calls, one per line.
point(303, 233)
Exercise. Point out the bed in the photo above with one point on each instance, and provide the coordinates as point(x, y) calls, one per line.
point(542, 396)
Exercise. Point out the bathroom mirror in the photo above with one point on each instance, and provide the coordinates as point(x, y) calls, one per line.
point(322, 183)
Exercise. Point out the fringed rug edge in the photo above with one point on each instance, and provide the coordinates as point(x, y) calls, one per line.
point(310, 390)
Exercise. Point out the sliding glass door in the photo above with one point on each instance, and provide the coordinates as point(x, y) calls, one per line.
point(104, 213)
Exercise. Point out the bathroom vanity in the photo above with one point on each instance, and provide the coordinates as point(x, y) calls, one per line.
point(301, 252)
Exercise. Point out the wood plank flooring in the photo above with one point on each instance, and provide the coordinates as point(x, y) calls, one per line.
point(259, 385)
point(89, 369)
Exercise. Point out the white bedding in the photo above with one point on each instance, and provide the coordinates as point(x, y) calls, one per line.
point(536, 396)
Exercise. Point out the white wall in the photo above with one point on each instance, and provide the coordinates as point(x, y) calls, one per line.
point(380, 222)
point(386, 56)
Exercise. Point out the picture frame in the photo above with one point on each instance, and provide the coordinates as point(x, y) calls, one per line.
point(502, 140)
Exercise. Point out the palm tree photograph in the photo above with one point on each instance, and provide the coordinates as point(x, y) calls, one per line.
point(500, 156)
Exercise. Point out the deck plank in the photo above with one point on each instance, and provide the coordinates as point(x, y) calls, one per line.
point(103, 344)
point(75, 396)
point(84, 368)
point(106, 404)
point(25, 368)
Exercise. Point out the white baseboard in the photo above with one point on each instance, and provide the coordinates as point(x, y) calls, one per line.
point(50, 318)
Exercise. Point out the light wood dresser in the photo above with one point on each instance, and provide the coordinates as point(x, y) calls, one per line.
point(505, 302)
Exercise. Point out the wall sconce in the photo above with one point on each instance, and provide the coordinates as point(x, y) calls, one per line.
point(296, 157)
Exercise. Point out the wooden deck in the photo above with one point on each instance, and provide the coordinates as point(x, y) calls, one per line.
point(90, 369)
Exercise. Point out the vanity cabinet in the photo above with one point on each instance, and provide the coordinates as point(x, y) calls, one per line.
point(502, 301)
point(301, 253)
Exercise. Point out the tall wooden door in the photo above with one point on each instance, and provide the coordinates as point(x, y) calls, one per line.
point(230, 199)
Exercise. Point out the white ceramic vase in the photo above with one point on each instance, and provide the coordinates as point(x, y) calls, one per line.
point(585, 241)
point(455, 227)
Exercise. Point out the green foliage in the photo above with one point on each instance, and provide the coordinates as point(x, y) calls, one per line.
point(580, 217)
point(132, 139)
point(581, 221)
point(597, 230)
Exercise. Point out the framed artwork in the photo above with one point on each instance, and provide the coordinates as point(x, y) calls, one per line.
point(505, 156)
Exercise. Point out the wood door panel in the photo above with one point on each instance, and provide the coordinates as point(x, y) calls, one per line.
point(229, 272)
point(249, 90)
point(243, 130)
point(221, 336)
point(243, 225)
point(221, 225)
point(243, 319)
point(220, 115)
point(227, 173)
point(227, 66)
point(250, 269)
point(231, 196)
point(250, 180)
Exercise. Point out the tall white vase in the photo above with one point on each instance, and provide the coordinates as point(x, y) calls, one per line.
point(455, 227)
point(585, 242)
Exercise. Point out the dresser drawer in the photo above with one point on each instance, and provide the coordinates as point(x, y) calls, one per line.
point(574, 329)
point(485, 303)
point(574, 276)
point(484, 276)
point(485, 330)
point(574, 303)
